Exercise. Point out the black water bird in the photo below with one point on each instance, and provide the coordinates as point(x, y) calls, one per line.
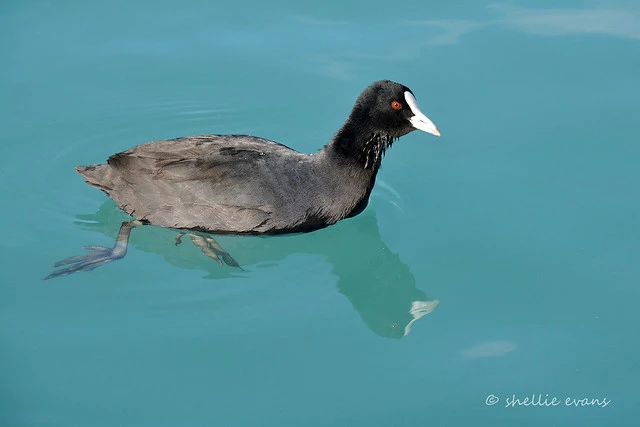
point(238, 184)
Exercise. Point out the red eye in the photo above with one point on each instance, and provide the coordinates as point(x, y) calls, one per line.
point(396, 105)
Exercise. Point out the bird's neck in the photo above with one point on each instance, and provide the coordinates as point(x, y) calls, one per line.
point(364, 148)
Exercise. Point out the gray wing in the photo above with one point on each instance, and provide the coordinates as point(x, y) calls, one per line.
point(217, 183)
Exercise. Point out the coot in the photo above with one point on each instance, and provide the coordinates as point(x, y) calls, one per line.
point(248, 185)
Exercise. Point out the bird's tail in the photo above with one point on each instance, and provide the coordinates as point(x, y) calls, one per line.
point(99, 176)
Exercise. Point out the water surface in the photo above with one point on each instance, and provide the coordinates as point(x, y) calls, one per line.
point(498, 260)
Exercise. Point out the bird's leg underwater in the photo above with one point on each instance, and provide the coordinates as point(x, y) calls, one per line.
point(98, 255)
point(212, 249)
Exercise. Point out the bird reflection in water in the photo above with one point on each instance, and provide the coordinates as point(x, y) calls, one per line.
point(379, 285)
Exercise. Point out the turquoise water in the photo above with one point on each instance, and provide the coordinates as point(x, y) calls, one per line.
point(514, 237)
